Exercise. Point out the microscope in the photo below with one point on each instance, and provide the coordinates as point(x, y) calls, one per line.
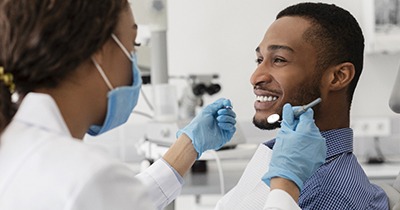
point(170, 111)
point(192, 97)
point(162, 132)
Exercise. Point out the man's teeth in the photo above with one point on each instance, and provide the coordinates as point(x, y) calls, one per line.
point(266, 98)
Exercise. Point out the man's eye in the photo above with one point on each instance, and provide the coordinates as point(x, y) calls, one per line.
point(259, 61)
point(279, 60)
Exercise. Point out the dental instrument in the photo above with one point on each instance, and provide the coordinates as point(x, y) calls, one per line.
point(275, 117)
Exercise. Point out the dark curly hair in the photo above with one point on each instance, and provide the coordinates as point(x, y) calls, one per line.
point(43, 41)
point(336, 35)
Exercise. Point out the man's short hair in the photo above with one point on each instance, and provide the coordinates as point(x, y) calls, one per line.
point(335, 34)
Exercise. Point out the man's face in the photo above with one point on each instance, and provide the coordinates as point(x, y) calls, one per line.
point(286, 70)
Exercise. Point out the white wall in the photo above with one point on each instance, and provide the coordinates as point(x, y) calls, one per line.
point(373, 92)
point(220, 36)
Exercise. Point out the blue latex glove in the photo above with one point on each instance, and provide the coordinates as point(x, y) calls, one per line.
point(299, 148)
point(211, 128)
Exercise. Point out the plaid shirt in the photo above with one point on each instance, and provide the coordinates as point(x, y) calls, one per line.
point(340, 183)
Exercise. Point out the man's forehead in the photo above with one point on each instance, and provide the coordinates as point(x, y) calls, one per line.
point(285, 33)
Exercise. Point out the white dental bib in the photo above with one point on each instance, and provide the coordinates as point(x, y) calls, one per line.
point(250, 192)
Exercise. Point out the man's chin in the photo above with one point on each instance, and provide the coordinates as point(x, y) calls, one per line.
point(264, 125)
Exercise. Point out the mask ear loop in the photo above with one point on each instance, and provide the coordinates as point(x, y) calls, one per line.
point(100, 70)
point(122, 47)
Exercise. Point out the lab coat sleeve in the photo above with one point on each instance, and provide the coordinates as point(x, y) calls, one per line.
point(111, 187)
point(280, 200)
point(161, 182)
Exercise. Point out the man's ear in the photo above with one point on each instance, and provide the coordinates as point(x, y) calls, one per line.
point(341, 75)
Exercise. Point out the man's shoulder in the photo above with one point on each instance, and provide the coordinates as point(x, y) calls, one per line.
point(340, 183)
point(339, 170)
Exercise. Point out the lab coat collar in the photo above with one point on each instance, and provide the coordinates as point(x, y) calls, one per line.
point(41, 110)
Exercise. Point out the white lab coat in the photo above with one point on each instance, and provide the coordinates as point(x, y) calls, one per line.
point(42, 167)
point(252, 193)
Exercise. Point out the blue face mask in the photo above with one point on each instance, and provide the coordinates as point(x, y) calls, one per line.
point(121, 100)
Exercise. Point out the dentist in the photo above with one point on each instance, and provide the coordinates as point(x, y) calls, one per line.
point(74, 67)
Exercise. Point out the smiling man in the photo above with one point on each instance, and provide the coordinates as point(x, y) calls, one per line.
point(311, 50)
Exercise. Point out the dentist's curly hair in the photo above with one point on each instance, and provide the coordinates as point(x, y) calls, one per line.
point(335, 34)
point(43, 41)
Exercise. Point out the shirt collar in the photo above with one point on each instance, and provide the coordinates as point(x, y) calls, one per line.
point(338, 141)
point(40, 110)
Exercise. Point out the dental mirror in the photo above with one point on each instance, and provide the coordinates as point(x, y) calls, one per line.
point(273, 118)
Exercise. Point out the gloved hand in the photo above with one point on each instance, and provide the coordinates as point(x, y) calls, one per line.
point(299, 148)
point(211, 128)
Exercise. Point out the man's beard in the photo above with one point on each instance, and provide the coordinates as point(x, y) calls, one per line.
point(304, 95)
point(264, 125)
